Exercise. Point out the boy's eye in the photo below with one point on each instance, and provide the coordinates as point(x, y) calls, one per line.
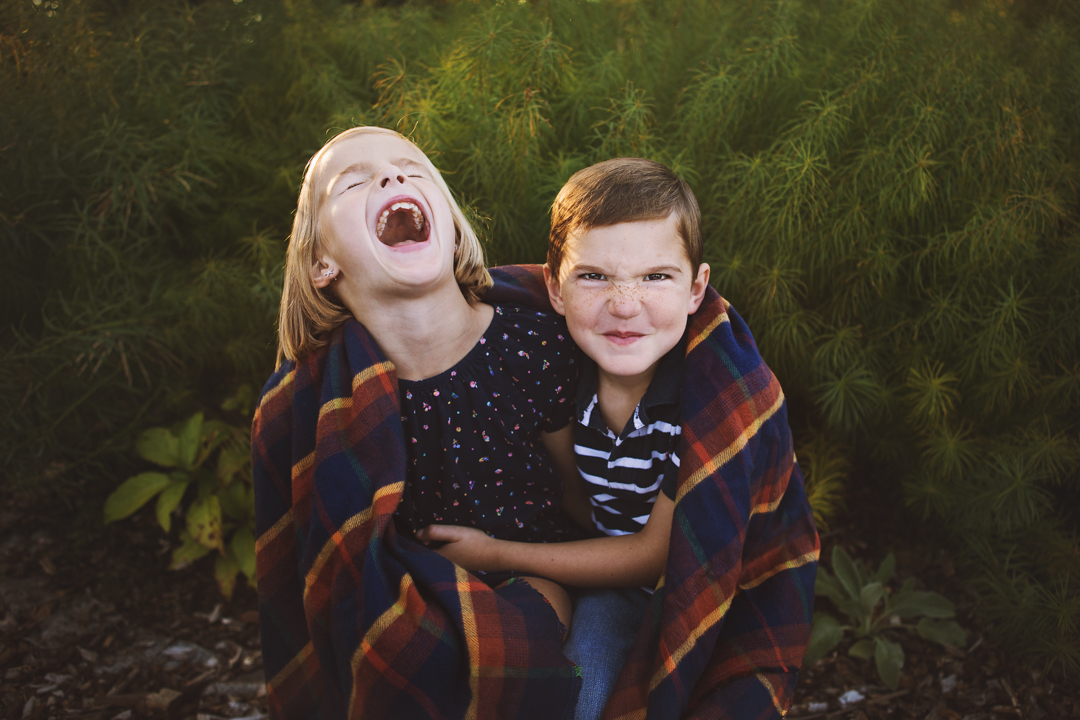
point(657, 276)
point(591, 276)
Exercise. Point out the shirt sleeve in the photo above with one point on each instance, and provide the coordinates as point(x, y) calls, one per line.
point(671, 475)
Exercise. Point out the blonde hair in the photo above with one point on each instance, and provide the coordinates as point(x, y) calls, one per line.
point(309, 314)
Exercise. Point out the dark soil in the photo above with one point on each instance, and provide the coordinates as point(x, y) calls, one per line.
point(978, 682)
point(93, 625)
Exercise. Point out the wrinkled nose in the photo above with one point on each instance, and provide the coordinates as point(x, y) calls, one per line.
point(624, 301)
point(390, 174)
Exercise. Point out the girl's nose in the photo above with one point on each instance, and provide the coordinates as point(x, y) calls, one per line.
point(390, 173)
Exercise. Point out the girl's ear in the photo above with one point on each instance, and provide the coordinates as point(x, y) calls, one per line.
point(697, 288)
point(323, 273)
point(554, 288)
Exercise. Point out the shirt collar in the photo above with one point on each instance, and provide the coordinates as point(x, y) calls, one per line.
point(663, 389)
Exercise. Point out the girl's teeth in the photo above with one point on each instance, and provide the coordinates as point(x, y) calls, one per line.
point(417, 216)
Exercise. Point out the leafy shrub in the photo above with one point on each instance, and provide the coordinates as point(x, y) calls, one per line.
point(874, 612)
point(886, 186)
point(219, 516)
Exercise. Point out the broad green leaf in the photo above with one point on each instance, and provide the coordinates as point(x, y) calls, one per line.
point(889, 658)
point(133, 494)
point(915, 603)
point(825, 635)
point(208, 483)
point(190, 439)
point(869, 597)
point(851, 608)
point(214, 432)
point(243, 547)
point(846, 572)
point(168, 500)
point(204, 522)
point(886, 570)
point(863, 649)
point(159, 446)
point(225, 569)
point(232, 459)
point(826, 585)
point(189, 551)
point(942, 631)
point(234, 502)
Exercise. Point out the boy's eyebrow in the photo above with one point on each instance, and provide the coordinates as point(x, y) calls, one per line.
point(582, 267)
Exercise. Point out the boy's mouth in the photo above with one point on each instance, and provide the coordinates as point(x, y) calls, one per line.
point(623, 338)
point(402, 223)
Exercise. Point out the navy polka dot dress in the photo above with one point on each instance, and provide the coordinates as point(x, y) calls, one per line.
point(472, 433)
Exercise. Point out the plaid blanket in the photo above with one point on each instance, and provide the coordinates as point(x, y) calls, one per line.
point(358, 621)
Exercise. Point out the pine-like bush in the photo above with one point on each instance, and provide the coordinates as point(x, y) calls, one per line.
point(889, 193)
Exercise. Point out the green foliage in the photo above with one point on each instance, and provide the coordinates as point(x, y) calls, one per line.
point(874, 612)
point(222, 502)
point(888, 190)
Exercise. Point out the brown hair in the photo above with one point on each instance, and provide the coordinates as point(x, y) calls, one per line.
point(624, 190)
point(307, 313)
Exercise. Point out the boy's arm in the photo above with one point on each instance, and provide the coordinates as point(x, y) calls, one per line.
point(560, 445)
point(621, 561)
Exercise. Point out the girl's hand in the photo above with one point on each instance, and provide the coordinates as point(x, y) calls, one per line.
point(468, 547)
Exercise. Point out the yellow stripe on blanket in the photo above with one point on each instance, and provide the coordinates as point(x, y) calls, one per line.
point(671, 662)
point(791, 564)
point(383, 368)
point(362, 377)
point(305, 462)
point(268, 537)
point(718, 460)
point(285, 382)
point(294, 664)
point(334, 543)
point(772, 694)
point(716, 322)
point(472, 638)
point(371, 637)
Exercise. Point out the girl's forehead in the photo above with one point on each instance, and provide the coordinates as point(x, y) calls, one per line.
point(368, 150)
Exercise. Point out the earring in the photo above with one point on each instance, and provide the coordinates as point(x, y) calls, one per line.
point(328, 273)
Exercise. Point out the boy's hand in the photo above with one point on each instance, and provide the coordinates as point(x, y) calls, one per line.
point(468, 547)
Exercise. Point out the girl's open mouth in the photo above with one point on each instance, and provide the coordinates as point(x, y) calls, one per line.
point(402, 222)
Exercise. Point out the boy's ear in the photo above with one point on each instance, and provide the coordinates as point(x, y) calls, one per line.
point(554, 288)
point(697, 288)
point(323, 272)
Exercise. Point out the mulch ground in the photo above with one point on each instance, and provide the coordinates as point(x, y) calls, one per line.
point(93, 626)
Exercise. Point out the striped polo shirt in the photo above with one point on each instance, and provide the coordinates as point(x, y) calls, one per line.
point(624, 473)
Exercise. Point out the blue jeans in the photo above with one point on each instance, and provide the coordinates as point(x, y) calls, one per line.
point(605, 623)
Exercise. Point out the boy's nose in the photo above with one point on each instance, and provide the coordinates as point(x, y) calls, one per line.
point(390, 173)
point(625, 301)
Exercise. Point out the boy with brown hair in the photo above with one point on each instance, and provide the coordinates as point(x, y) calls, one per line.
point(625, 268)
